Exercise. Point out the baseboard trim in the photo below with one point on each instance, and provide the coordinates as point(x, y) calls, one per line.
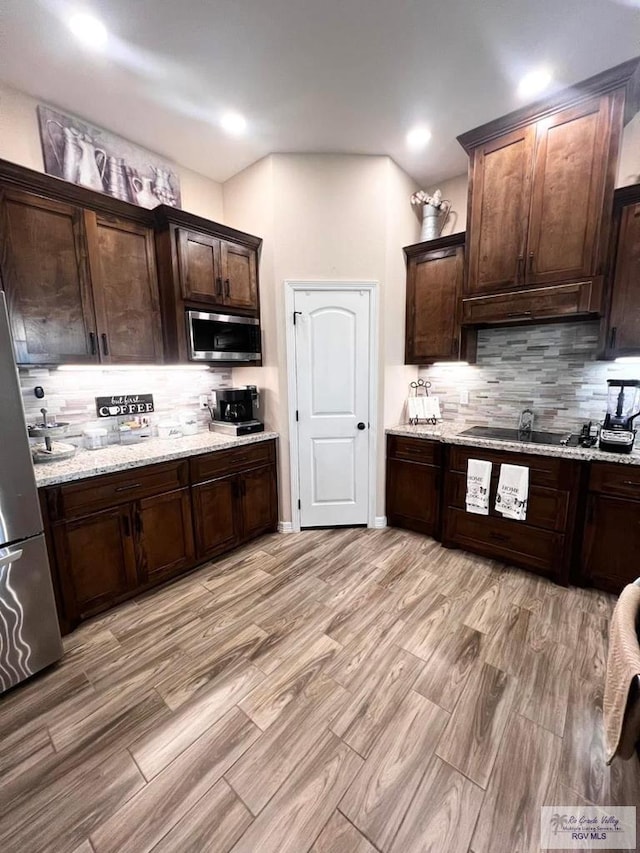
point(379, 522)
point(285, 527)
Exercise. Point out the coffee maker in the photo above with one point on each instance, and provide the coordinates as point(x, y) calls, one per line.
point(233, 411)
point(623, 406)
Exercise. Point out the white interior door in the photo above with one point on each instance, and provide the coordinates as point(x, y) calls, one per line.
point(332, 379)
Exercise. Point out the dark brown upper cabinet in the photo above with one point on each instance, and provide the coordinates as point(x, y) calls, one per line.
point(216, 272)
point(434, 287)
point(541, 189)
point(199, 267)
point(125, 289)
point(79, 271)
point(204, 266)
point(239, 276)
point(46, 278)
point(621, 329)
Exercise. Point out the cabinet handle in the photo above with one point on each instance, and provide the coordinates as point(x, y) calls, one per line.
point(500, 537)
point(519, 264)
point(127, 526)
point(92, 343)
point(629, 483)
point(590, 511)
point(105, 344)
point(612, 337)
point(138, 522)
point(530, 262)
point(519, 313)
point(128, 487)
point(218, 286)
point(226, 287)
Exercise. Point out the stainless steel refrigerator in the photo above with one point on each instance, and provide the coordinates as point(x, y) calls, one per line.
point(29, 632)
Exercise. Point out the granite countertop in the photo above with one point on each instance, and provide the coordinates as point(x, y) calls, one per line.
point(449, 433)
point(119, 457)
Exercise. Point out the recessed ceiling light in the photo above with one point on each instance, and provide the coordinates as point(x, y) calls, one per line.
point(534, 82)
point(418, 137)
point(233, 124)
point(89, 30)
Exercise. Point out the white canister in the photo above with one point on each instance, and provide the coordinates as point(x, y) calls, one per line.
point(188, 422)
point(169, 429)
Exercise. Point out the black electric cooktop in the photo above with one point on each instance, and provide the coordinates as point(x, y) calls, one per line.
point(534, 437)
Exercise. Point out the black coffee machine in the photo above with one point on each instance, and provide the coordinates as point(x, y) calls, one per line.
point(234, 411)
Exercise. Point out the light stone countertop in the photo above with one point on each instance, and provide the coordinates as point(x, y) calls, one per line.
point(449, 433)
point(121, 457)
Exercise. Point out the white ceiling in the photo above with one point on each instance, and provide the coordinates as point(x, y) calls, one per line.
point(310, 75)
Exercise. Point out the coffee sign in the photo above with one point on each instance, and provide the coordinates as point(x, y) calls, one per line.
point(124, 404)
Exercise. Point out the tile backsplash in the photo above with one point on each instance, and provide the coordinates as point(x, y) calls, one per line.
point(70, 395)
point(551, 369)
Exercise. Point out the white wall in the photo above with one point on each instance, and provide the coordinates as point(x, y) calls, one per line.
point(331, 217)
point(629, 166)
point(20, 143)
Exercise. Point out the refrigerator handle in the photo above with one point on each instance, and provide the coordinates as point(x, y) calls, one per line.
point(13, 557)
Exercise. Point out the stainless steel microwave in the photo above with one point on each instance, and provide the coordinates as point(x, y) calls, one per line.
point(223, 337)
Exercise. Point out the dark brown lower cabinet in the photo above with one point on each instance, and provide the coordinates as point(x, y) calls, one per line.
point(114, 535)
point(98, 559)
point(544, 542)
point(413, 484)
point(216, 517)
point(235, 508)
point(258, 501)
point(611, 541)
point(164, 535)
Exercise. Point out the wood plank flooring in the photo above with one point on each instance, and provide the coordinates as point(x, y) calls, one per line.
point(334, 691)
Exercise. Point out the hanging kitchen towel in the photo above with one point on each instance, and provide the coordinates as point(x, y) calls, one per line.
point(513, 491)
point(478, 484)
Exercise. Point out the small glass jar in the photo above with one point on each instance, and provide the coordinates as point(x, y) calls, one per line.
point(95, 438)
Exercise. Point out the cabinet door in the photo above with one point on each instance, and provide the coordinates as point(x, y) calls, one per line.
point(216, 515)
point(96, 559)
point(624, 318)
point(240, 276)
point(45, 274)
point(258, 501)
point(570, 174)
point(611, 542)
point(164, 535)
point(499, 213)
point(125, 290)
point(413, 495)
point(434, 283)
point(199, 263)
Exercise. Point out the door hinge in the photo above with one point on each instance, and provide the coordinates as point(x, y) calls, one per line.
point(299, 504)
point(294, 316)
point(297, 415)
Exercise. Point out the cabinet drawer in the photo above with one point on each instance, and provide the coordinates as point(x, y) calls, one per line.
point(221, 462)
point(547, 508)
point(506, 539)
point(615, 479)
point(546, 471)
point(414, 449)
point(86, 496)
point(521, 306)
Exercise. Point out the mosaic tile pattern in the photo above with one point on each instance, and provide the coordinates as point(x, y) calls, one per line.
point(551, 369)
point(70, 395)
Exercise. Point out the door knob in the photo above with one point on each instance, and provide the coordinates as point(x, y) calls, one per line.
point(361, 425)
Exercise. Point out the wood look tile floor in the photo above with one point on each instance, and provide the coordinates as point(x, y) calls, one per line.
point(335, 691)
